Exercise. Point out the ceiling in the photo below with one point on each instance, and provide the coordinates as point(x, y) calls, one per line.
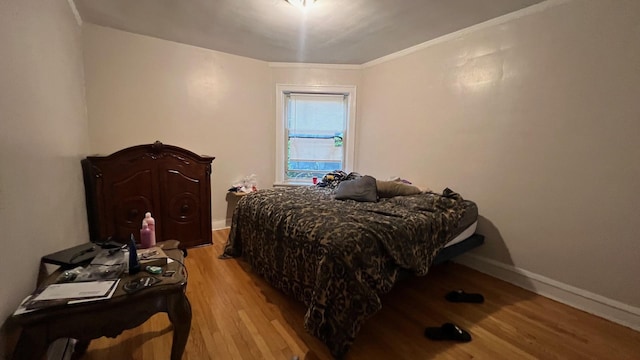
point(331, 32)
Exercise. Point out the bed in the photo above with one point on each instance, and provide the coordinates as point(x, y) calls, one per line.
point(340, 256)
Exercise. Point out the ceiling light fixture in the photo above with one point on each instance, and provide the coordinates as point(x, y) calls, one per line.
point(301, 4)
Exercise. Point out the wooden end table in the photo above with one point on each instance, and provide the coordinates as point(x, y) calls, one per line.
point(87, 321)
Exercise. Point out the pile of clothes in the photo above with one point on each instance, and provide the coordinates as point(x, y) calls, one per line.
point(332, 179)
point(246, 185)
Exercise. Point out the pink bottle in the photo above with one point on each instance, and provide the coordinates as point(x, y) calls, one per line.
point(151, 223)
point(145, 236)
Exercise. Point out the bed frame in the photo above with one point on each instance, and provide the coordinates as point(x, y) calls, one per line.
point(449, 252)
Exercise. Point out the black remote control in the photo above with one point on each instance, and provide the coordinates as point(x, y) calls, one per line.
point(139, 284)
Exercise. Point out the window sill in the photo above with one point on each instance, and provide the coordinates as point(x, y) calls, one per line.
point(293, 184)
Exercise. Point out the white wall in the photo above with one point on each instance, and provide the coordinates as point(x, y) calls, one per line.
point(43, 136)
point(141, 89)
point(537, 120)
point(314, 74)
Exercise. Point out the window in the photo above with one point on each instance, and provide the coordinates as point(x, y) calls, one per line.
point(315, 131)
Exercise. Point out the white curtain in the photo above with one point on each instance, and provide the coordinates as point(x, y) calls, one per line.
point(313, 123)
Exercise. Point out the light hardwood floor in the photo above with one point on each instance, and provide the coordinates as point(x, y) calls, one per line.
point(237, 315)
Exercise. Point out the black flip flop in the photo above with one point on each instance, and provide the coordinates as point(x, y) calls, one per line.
point(461, 296)
point(448, 331)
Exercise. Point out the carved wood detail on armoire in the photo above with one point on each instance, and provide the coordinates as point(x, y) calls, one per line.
point(172, 183)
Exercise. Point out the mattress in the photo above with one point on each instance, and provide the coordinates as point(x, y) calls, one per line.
point(466, 225)
point(470, 230)
point(464, 238)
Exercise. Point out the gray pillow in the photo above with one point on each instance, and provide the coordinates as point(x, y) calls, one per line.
point(362, 189)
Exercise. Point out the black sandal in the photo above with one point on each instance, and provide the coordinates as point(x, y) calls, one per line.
point(461, 296)
point(448, 331)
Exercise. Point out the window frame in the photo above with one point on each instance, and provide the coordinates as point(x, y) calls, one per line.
point(281, 142)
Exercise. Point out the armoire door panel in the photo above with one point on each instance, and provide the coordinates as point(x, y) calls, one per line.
point(182, 195)
point(129, 214)
point(128, 198)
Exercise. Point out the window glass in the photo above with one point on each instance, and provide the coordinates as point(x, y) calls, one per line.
point(315, 128)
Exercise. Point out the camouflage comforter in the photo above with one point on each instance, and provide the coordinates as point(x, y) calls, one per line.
point(338, 257)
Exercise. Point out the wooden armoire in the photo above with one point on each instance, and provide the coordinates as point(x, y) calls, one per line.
point(172, 183)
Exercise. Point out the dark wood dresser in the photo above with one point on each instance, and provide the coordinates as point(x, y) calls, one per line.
point(172, 183)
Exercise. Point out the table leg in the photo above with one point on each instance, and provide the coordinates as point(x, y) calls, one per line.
point(179, 311)
point(80, 349)
point(32, 344)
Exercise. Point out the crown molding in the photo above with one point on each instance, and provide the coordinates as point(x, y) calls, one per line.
point(75, 12)
point(315, 66)
point(533, 9)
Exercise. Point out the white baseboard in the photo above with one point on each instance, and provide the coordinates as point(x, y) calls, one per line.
point(220, 224)
point(595, 304)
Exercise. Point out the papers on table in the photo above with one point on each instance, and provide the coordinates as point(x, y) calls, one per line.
point(75, 290)
point(67, 294)
point(107, 296)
